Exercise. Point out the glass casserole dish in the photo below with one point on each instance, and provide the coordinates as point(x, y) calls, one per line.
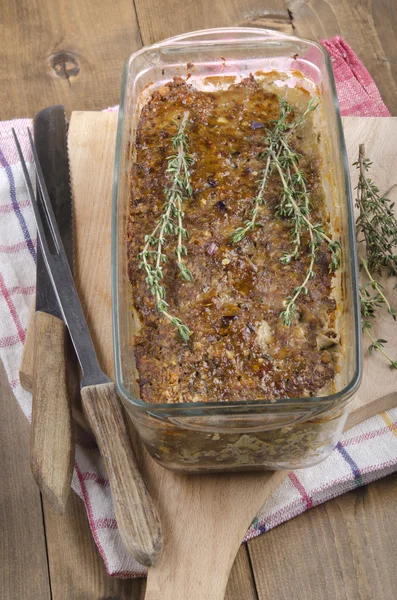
point(238, 435)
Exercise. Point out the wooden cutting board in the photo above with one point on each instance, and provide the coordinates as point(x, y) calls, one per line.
point(204, 517)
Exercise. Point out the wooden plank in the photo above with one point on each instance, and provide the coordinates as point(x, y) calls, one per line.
point(343, 549)
point(77, 570)
point(369, 27)
point(156, 23)
point(92, 140)
point(241, 584)
point(67, 52)
point(23, 564)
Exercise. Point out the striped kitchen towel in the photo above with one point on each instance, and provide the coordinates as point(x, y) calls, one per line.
point(366, 453)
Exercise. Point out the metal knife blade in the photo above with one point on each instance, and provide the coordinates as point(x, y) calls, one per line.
point(49, 129)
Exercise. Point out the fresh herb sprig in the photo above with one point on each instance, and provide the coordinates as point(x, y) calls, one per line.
point(294, 201)
point(275, 137)
point(178, 166)
point(369, 305)
point(377, 224)
point(378, 287)
point(295, 205)
point(170, 224)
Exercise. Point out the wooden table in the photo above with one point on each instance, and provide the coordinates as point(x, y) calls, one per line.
point(72, 52)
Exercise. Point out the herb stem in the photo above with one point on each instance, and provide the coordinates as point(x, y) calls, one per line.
point(378, 345)
point(298, 209)
point(376, 286)
point(249, 224)
point(289, 310)
point(294, 187)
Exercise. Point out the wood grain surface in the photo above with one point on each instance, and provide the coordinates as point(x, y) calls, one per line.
point(241, 584)
point(137, 517)
point(26, 367)
point(51, 437)
point(77, 570)
point(369, 26)
point(156, 24)
point(63, 52)
point(342, 550)
point(73, 52)
point(23, 559)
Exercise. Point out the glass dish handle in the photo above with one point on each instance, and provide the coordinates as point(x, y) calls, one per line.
point(225, 34)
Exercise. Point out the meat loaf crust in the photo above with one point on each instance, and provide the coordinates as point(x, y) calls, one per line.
point(239, 348)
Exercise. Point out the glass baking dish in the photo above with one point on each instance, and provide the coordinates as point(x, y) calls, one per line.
point(244, 435)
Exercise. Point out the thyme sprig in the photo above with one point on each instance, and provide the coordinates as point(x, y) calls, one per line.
point(369, 305)
point(378, 225)
point(170, 224)
point(378, 287)
point(376, 221)
point(294, 202)
point(178, 166)
point(275, 137)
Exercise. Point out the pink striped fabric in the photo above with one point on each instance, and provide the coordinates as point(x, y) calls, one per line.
point(365, 453)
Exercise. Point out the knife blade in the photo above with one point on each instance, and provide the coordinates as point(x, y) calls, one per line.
point(136, 514)
point(51, 144)
point(52, 444)
point(49, 132)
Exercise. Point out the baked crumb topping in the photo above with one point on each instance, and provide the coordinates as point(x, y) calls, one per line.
point(239, 348)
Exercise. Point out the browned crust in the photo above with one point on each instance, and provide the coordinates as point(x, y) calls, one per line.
point(235, 288)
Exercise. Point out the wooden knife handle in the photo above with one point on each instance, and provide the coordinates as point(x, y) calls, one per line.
point(27, 363)
point(52, 444)
point(26, 369)
point(136, 515)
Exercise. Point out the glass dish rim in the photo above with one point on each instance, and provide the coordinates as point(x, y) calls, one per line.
point(230, 407)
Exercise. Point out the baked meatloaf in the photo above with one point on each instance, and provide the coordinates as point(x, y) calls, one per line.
point(238, 346)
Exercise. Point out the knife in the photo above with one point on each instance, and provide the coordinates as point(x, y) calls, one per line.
point(53, 380)
point(136, 515)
